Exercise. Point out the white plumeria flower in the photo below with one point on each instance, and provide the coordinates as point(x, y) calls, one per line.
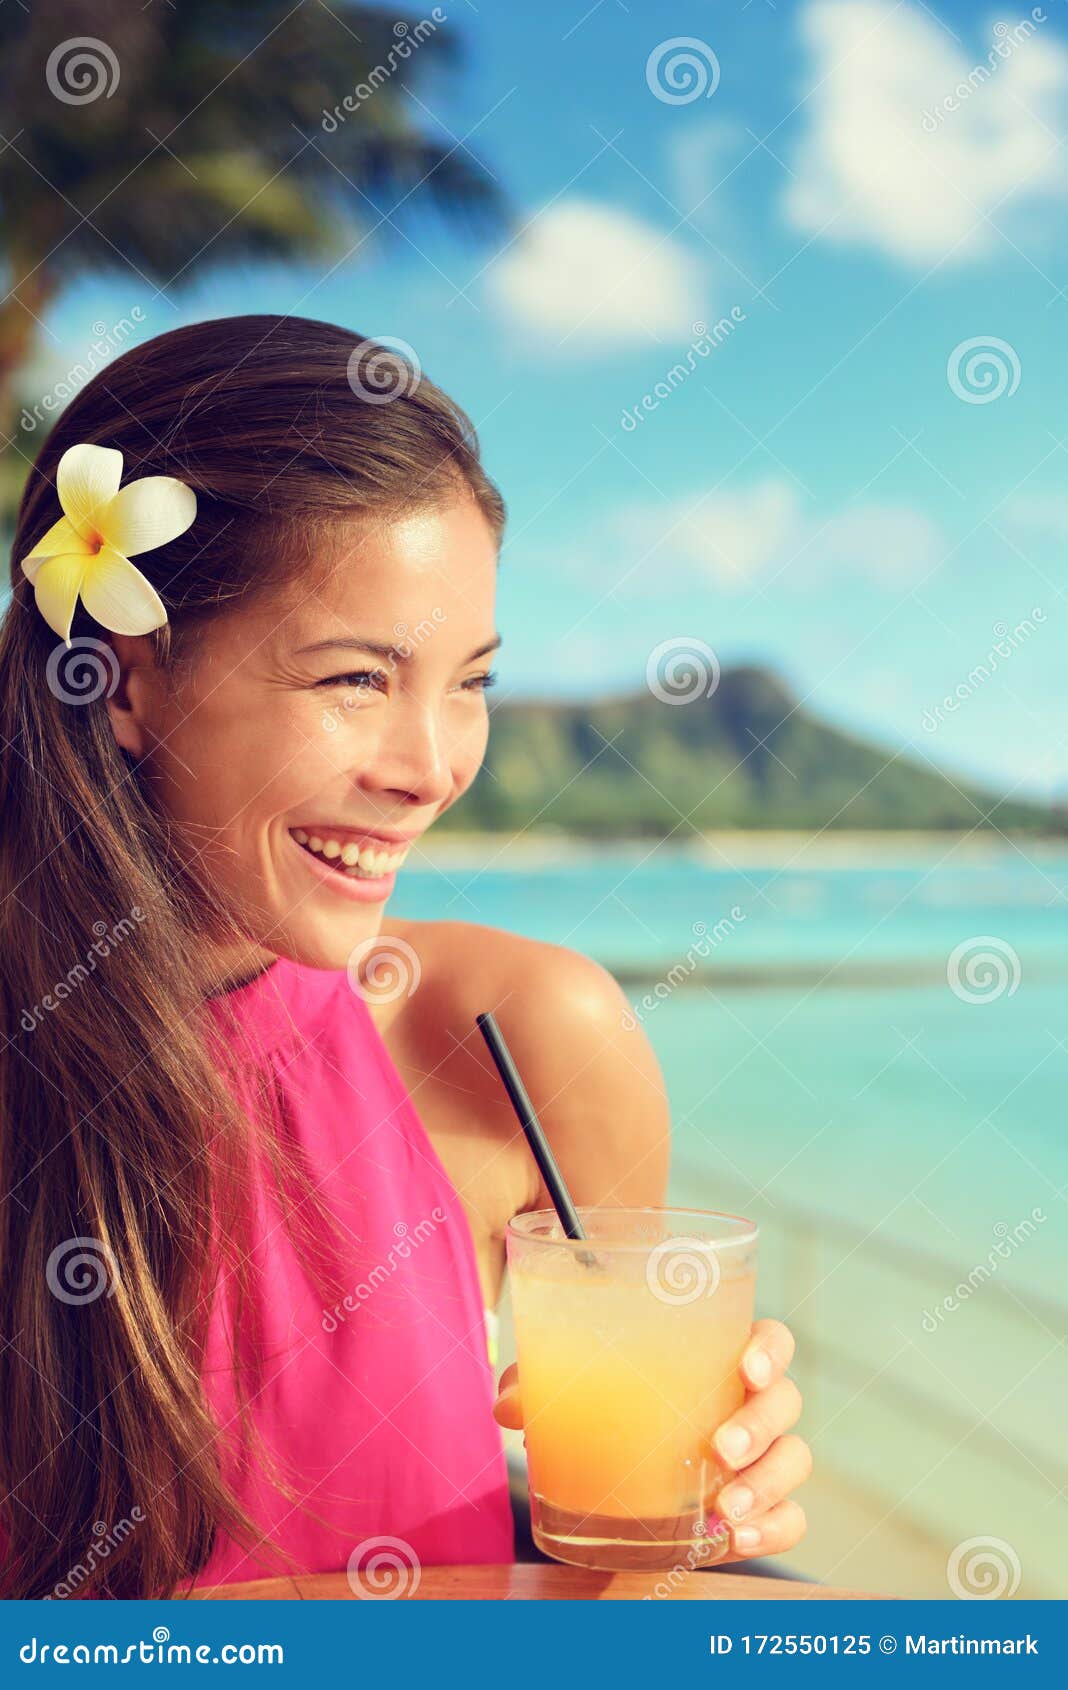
point(88, 550)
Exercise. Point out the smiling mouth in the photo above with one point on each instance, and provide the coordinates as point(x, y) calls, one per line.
point(359, 862)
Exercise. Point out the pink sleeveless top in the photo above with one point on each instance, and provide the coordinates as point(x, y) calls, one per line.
point(378, 1408)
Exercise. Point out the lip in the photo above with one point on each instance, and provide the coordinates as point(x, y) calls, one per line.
point(347, 886)
point(354, 835)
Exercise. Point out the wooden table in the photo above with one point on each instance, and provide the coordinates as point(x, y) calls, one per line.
point(537, 1581)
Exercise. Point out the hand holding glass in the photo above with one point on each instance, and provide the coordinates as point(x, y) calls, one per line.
point(628, 1349)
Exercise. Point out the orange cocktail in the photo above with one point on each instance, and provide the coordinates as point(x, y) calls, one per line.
point(628, 1350)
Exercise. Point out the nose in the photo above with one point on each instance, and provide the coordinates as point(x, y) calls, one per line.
point(410, 761)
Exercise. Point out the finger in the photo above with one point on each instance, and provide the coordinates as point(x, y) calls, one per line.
point(761, 1419)
point(767, 1482)
point(768, 1354)
point(780, 1529)
point(507, 1410)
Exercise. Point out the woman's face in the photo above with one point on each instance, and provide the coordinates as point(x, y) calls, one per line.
point(314, 741)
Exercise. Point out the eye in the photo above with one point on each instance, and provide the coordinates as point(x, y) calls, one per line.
point(367, 680)
point(359, 679)
point(480, 683)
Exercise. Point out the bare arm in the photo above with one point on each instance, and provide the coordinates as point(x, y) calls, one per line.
point(592, 1076)
point(600, 1095)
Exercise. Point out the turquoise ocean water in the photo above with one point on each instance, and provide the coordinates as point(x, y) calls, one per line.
point(817, 1051)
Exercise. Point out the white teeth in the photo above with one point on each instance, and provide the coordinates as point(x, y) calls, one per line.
point(368, 862)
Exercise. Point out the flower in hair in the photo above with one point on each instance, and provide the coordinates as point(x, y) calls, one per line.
point(87, 552)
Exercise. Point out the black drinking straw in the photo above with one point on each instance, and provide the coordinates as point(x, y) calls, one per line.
point(534, 1133)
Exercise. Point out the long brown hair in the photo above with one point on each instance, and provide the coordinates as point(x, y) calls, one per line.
point(118, 1125)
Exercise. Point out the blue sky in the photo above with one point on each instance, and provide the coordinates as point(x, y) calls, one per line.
point(816, 494)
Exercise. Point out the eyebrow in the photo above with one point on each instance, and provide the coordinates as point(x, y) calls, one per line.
point(388, 653)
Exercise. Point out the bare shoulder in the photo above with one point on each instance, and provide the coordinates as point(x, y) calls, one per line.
point(466, 966)
point(586, 1061)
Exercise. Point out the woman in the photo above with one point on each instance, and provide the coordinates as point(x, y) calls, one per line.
point(254, 1208)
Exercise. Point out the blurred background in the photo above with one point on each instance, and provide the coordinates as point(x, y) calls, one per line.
point(763, 334)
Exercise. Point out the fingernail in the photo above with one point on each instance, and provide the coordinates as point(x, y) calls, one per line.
point(732, 1442)
point(747, 1537)
point(758, 1367)
point(739, 1502)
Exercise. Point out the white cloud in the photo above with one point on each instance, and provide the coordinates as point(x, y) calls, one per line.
point(583, 275)
point(729, 537)
point(701, 160)
point(908, 139)
point(1035, 515)
point(737, 538)
point(889, 543)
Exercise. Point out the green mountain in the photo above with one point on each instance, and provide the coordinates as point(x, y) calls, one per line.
point(748, 756)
